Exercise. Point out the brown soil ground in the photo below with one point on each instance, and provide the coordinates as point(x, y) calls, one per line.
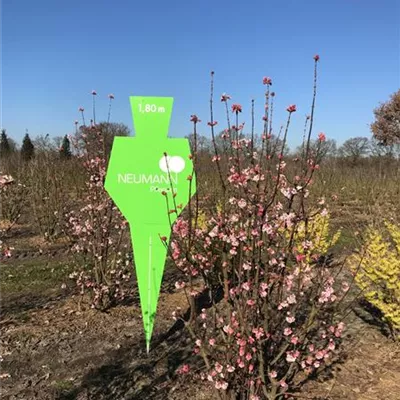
point(50, 350)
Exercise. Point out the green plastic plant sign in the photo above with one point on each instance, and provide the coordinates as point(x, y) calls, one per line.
point(147, 177)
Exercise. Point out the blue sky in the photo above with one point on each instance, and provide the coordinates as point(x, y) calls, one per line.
point(55, 52)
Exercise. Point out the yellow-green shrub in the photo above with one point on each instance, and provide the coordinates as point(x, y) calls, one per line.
point(318, 232)
point(378, 272)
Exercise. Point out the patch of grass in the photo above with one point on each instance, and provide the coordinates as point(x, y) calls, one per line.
point(33, 276)
point(63, 385)
point(347, 240)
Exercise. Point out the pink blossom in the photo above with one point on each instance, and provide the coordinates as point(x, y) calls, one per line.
point(175, 251)
point(326, 294)
point(218, 367)
point(221, 385)
point(246, 266)
point(339, 330)
point(291, 356)
point(287, 331)
point(284, 304)
point(230, 368)
point(300, 257)
point(321, 137)
point(181, 228)
point(227, 329)
point(184, 369)
point(268, 229)
point(291, 108)
point(273, 374)
point(194, 118)
point(291, 299)
point(7, 253)
point(237, 108)
point(258, 332)
point(324, 212)
point(180, 284)
point(294, 340)
point(267, 80)
point(225, 97)
point(242, 203)
point(211, 342)
point(246, 286)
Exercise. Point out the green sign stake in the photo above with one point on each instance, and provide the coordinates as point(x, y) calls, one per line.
point(147, 177)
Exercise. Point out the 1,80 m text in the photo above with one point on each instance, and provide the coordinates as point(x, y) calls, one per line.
point(151, 108)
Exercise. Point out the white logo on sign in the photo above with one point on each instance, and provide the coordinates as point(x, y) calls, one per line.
point(174, 164)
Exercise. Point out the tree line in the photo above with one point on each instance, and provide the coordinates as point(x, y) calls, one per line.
point(29, 147)
point(65, 146)
point(385, 140)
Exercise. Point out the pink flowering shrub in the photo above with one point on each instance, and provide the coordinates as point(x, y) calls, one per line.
point(276, 321)
point(10, 212)
point(13, 200)
point(97, 230)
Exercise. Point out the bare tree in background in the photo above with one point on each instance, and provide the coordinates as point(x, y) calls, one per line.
point(43, 143)
point(325, 149)
point(379, 149)
point(203, 143)
point(108, 131)
point(355, 148)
